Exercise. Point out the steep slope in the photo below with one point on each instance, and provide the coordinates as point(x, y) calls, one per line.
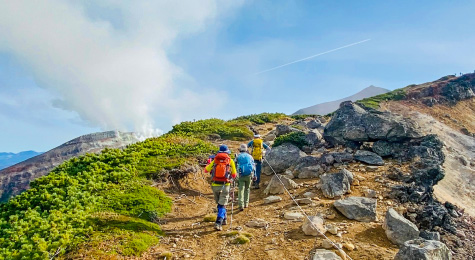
point(445, 107)
point(16, 178)
point(328, 107)
point(9, 159)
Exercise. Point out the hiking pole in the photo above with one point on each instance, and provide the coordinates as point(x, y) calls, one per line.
point(232, 207)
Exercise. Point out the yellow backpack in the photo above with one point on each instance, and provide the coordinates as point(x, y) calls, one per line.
point(257, 149)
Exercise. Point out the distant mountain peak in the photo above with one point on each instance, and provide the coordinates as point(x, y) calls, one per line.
point(331, 106)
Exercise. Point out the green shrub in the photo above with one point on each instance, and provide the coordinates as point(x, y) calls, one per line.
point(55, 212)
point(373, 102)
point(230, 130)
point(262, 118)
point(295, 138)
point(301, 117)
point(241, 239)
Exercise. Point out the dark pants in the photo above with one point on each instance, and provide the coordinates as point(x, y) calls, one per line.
point(258, 171)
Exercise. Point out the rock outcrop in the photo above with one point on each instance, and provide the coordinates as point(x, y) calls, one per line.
point(357, 208)
point(351, 125)
point(368, 157)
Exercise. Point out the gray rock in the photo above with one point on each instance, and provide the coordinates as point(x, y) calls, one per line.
point(284, 129)
point(421, 249)
point(310, 195)
point(430, 235)
point(257, 223)
point(358, 208)
point(368, 157)
point(275, 186)
point(336, 184)
point(314, 226)
point(282, 157)
point(293, 215)
point(399, 229)
point(272, 199)
point(327, 159)
point(313, 137)
point(269, 138)
point(351, 125)
point(304, 201)
point(313, 124)
point(342, 157)
point(369, 193)
point(323, 254)
point(310, 172)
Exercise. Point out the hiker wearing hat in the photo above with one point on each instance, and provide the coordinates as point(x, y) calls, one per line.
point(246, 169)
point(257, 153)
point(223, 172)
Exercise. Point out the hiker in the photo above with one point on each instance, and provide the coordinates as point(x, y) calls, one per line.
point(223, 172)
point(257, 153)
point(246, 169)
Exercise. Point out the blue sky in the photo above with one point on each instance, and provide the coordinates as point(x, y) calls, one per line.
point(69, 68)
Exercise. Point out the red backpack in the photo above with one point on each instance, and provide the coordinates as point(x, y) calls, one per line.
point(221, 168)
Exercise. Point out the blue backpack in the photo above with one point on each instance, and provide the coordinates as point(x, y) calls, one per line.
point(245, 164)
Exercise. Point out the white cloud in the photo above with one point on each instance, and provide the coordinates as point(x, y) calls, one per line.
point(115, 77)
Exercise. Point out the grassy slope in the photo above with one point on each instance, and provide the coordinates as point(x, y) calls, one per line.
point(103, 204)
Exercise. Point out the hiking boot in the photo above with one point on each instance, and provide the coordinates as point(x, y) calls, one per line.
point(241, 208)
point(246, 206)
point(225, 222)
point(218, 226)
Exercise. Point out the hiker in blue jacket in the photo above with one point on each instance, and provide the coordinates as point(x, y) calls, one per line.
point(245, 170)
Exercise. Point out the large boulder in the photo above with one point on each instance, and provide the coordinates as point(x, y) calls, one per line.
point(323, 254)
point(357, 208)
point(308, 167)
point(368, 157)
point(351, 125)
point(282, 157)
point(313, 137)
point(336, 184)
point(386, 148)
point(284, 129)
point(314, 124)
point(314, 226)
point(421, 249)
point(342, 157)
point(399, 229)
point(275, 186)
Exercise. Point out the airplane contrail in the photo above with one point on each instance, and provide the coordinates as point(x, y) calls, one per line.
point(310, 57)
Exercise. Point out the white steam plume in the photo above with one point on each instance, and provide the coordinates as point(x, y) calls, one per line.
point(113, 72)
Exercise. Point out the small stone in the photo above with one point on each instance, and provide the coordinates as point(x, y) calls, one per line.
point(174, 245)
point(331, 216)
point(323, 254)
point(309, 194)
point(389, 203)
point(313, 226)
point(369, 193)
point(257, 223)
point(293, 215)
point(349, 246)
point(371, 168)
point(356, 182)
point(332, 229)
point(304, 201)
point(327, 244)
point(272, 199)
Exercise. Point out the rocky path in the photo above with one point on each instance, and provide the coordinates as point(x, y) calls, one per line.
point(189, 236)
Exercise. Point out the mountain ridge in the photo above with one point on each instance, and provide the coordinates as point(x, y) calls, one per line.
point(8, 159)
point(331, 106)
point(16, 178)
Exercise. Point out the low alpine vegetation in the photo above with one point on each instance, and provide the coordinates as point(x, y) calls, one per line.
point(61, 209)
point(373, 102)
point(295, 138)
point(232, 130)
point(262, 118)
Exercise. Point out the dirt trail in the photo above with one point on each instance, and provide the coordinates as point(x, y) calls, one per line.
point(188, 236)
